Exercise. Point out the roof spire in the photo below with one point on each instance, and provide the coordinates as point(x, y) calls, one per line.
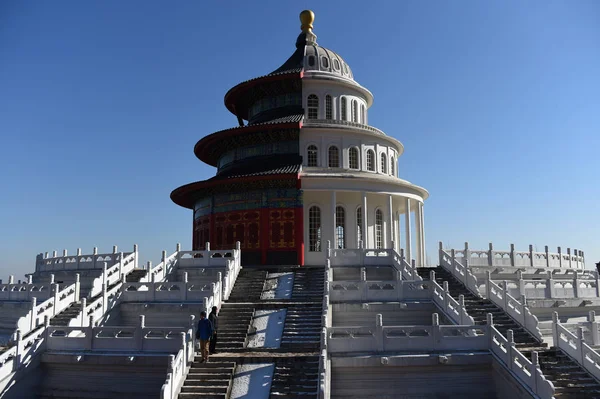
point(307, 18)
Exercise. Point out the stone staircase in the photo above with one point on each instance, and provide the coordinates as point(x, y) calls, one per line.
point(234, 324)
point(295, 377)
point(135, 275)
point(302, 328)
point(309, 284)
point(208, 380)
point(570, 380)
point(248, 286)
point(64, 317)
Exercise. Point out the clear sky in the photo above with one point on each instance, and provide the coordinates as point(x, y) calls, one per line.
point(101, 103)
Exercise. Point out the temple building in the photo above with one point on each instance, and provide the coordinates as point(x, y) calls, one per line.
point(302, 168)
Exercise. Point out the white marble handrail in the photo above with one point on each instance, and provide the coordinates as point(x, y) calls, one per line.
point(373, 257)
point(113, 338)
point(392, 290)
point(179, 365)
point(25, 292)
point(454, 309)
point(528, 372)
point(45, 263)
point(23, 352)
point(517, 310)
point(575, 346)
point(228, 262)
point(461, 272)
point(111, 275)
point(406, 338)
point(512, 258)
point(59, 301)
point(94, 312)
point(550, 287)
point(171, 291)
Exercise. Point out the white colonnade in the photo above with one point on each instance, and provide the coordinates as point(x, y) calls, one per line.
point(379, 227)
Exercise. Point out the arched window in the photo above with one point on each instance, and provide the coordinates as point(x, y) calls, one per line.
point(328, 107)
point(383, 163)
point(325, 62)
point(353, 158)
point(363, 116)
point(312, 155)
point(311, 60)
point(334, 157)
point(370, 160)
point(314, 229)
point(392, 160)
point(344, 110)
point(340, 226)
point(354, 111)
point(378, 229)
point(359, 229)
point(313, 106)
point(336, 64)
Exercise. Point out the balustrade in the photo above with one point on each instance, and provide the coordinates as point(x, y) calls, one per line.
point(512, 258)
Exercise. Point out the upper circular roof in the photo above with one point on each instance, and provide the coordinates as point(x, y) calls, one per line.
point(317, 58)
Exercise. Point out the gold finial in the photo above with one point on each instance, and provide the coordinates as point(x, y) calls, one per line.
point(307, 17)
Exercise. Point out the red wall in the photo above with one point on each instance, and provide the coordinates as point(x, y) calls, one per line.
point(258, 230)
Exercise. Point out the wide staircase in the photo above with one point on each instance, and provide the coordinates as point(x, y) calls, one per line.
point(309, 284)
point(248, 286)
point(296, 361)
point(570, 380)
point(234, 325)
point(296, 377)
point(302, 328)
point(208, 380)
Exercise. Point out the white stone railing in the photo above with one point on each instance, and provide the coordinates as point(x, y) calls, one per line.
point(575, 346)
point(20, 355)
point(166, 267)
point(406, 338)
point(461, 272)
point(60, 300)
point(45, 263)
point(454, 309)
point(25, 292)
point(373, 257)
point(228, 260)
point(94, 312)
point(329, 122)
point(117, 339)
point(528, 372)
point(550, 287)
point(531, 258)
point(171, 291)
point(589, 327)
point(324, 384)
point(518, 310)
point(179, 365)
point(113, 274)
point(387, 291)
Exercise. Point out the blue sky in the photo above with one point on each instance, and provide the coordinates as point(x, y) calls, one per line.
point(496, 102)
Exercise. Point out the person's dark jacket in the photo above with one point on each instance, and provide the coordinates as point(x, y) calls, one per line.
point(214, 319)
point(205, 329)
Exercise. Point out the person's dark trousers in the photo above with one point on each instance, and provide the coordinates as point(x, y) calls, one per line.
point(213, 343)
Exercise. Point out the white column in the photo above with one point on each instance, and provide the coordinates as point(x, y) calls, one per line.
point(407, 250)
point(365, 227)
point(334, 231)
point(418, 244)
point(423, 248)
point(396, 232)
point(390, 227)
